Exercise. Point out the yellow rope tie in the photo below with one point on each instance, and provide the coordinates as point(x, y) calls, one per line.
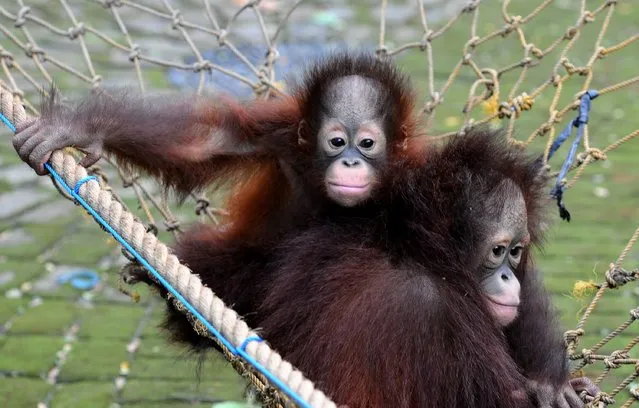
point(584, 288)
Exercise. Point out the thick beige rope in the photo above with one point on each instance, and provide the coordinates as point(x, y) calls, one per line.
point(157, 254)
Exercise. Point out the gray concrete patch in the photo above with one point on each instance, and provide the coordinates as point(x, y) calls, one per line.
point(17, 201)
point(6, 277)
point(17, 174)
point(111, 261)
point(15, 237)
point(49, 211)
point(111, 293)
point(46, 183)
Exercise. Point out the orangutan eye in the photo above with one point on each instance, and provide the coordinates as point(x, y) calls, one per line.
point(515, 255)
point(367, 143)
point(495, 257)
point(499, 251)
point(337, 142)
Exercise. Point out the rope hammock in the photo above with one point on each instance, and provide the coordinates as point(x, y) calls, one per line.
point(494, 95)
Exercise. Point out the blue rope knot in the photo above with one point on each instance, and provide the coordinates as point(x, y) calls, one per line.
point(579, 122)
point(246, 342)
point(83, 180)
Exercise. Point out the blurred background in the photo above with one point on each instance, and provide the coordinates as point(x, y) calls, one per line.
point(71, 335)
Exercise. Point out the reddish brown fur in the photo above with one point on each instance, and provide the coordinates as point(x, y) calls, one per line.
point(275, 186)
point(380, 303)
point(250, 203)
point(386, 309)
point(271, 174)
point(389, 312)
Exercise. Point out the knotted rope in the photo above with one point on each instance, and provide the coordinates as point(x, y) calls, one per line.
point(200, 301)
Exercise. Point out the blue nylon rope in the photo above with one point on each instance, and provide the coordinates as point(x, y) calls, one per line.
point(579, 122)
point(6, 122)
point(236, 351)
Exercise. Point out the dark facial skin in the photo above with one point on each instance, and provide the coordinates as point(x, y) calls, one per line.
point(351, 140)
point(503, 253)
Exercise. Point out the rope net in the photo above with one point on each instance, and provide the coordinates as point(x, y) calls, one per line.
point(246, 46)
